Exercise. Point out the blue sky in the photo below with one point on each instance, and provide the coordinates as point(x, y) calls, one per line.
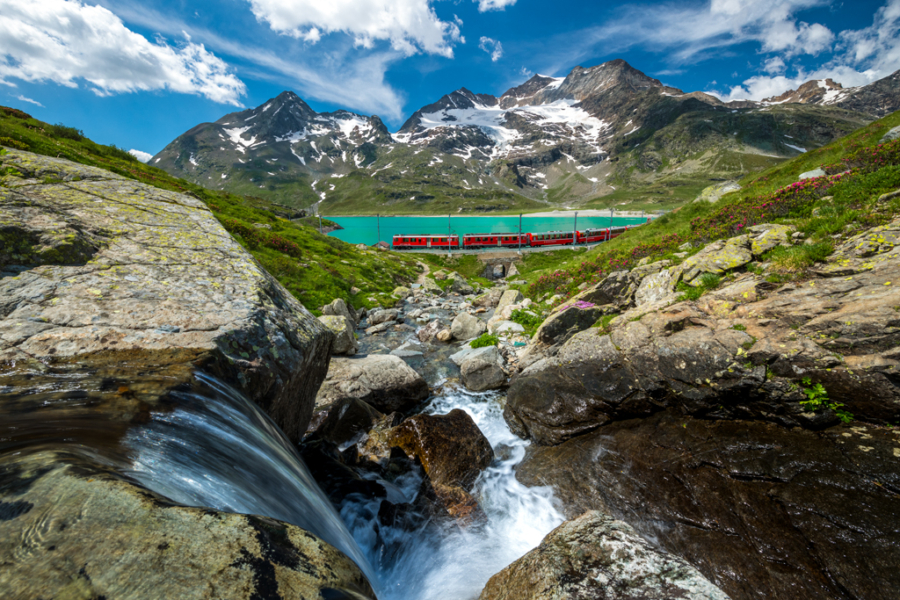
point(139, 73)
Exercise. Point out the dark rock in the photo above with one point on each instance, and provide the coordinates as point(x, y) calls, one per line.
point(343, 420)
point(566, 321)
point(482, 370)
point(761, 510)
point(594, 556)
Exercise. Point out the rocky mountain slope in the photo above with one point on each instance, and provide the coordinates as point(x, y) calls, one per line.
point(604, 135)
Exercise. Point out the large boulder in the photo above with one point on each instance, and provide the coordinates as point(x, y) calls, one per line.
point(767, 236)
point(461, 286)
point(103, 537)
point(489, 298)
point(566, 321)
point(453, 452)
point(509, 298)
point(466, 327)
point(105, 274)
point(342, 421)
point(617, 288)
point(382, 380)
point(595, 556)
point(482, 370)
point(654, 288)
point(344, 336)
point(764, 511)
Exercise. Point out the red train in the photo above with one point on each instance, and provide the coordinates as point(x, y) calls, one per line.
point(506, 240)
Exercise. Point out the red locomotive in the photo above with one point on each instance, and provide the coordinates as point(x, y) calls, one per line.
point(506, 240)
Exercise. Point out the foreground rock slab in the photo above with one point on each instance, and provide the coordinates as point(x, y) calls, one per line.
point(761, 510)
point(101, 271)
point(382, 380)
point(110, 539)
point(595, 556)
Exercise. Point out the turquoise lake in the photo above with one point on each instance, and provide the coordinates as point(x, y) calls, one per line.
point(364, 230)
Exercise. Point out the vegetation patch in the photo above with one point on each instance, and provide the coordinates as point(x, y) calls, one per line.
point(485, 340)
point(817, 399)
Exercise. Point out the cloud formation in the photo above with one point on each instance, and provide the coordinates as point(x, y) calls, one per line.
point(411, 26)
point(486, 5)
point(65, 41)
point(492, 47)
point(28, 100)
point(140, 155)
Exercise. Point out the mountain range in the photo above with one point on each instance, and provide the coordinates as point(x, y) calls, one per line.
point(607, 135)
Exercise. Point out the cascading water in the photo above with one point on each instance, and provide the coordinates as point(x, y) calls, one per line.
point(447, 561)
point(219, 450)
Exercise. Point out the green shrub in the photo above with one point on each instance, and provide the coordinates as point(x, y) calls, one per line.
point(710, 281)
point(796, 259)
point(486, 339)
point(63, 131)
point(604, 321)
point(817, 399)
point(525, 319)
point(738, 327)
point(14, 112)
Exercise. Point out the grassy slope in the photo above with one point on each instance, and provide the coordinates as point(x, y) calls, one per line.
point(571, 264)
point(315, 268)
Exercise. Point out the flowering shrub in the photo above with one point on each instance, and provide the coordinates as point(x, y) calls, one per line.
point(580, 304)
point(794, 200)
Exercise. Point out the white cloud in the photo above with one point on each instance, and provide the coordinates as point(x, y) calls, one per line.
point(29, 100)
point(526, 72)
point(140, 155)
point(66, 41)
point(410, 26)
point(862, 56)
point(486, 5)
point(346, 78)
point(492, 47)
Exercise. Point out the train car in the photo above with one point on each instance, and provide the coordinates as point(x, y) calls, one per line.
point(495, 240)
point(591, 236)
point(552, 238)
point(424, 242)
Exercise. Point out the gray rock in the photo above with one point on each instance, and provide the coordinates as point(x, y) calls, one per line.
point(811, 174)
point(563, 324)
point(654, 288)
point(497, 272)
point(594, 556)
point(714, 192)
point(166, 291)
point(508, 298)
point(481, 370)
point(460, 286)
point(466, 327)
point(891, 135)
point(717, 258)
point(401, 291)
point(513, 271)
point(431, 286)
point(460, 357)
point(766, 236)
point(384, 315)
point(430, 331)
point(506, 327)
point(383, 381)
point(339, 308)
point(344, 336)
point(381, 327)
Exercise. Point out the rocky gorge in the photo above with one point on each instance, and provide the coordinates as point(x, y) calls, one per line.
point(176, 424)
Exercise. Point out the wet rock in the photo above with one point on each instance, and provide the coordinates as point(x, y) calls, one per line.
point(383, 381)
point(167, 290)
point(380, 328)
point(762, 510)
point(451, 448)
point(339, 308)
point(344, 336)
point(430, 331)
point(467, 327)
point(482, 370)
point(565, 322)
point(595, 556)
point(377, 317)
point(108, 538)
point(342, 421)
point(444, 335)
point(509, 298)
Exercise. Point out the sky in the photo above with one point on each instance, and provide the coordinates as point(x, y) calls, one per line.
point(138, 73)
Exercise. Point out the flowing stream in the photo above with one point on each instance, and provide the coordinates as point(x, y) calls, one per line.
point(220, 451)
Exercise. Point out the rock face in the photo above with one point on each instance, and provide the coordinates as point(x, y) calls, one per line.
point(110, 539)
point(344, 336)
point(381, 380)
point(594, 556)
point(481, 370)
point(341, 421)
point(717, 258)
point(761, 510)
point(102, 271)
point(740, 352)
point(566, 322)
point(466, 327)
